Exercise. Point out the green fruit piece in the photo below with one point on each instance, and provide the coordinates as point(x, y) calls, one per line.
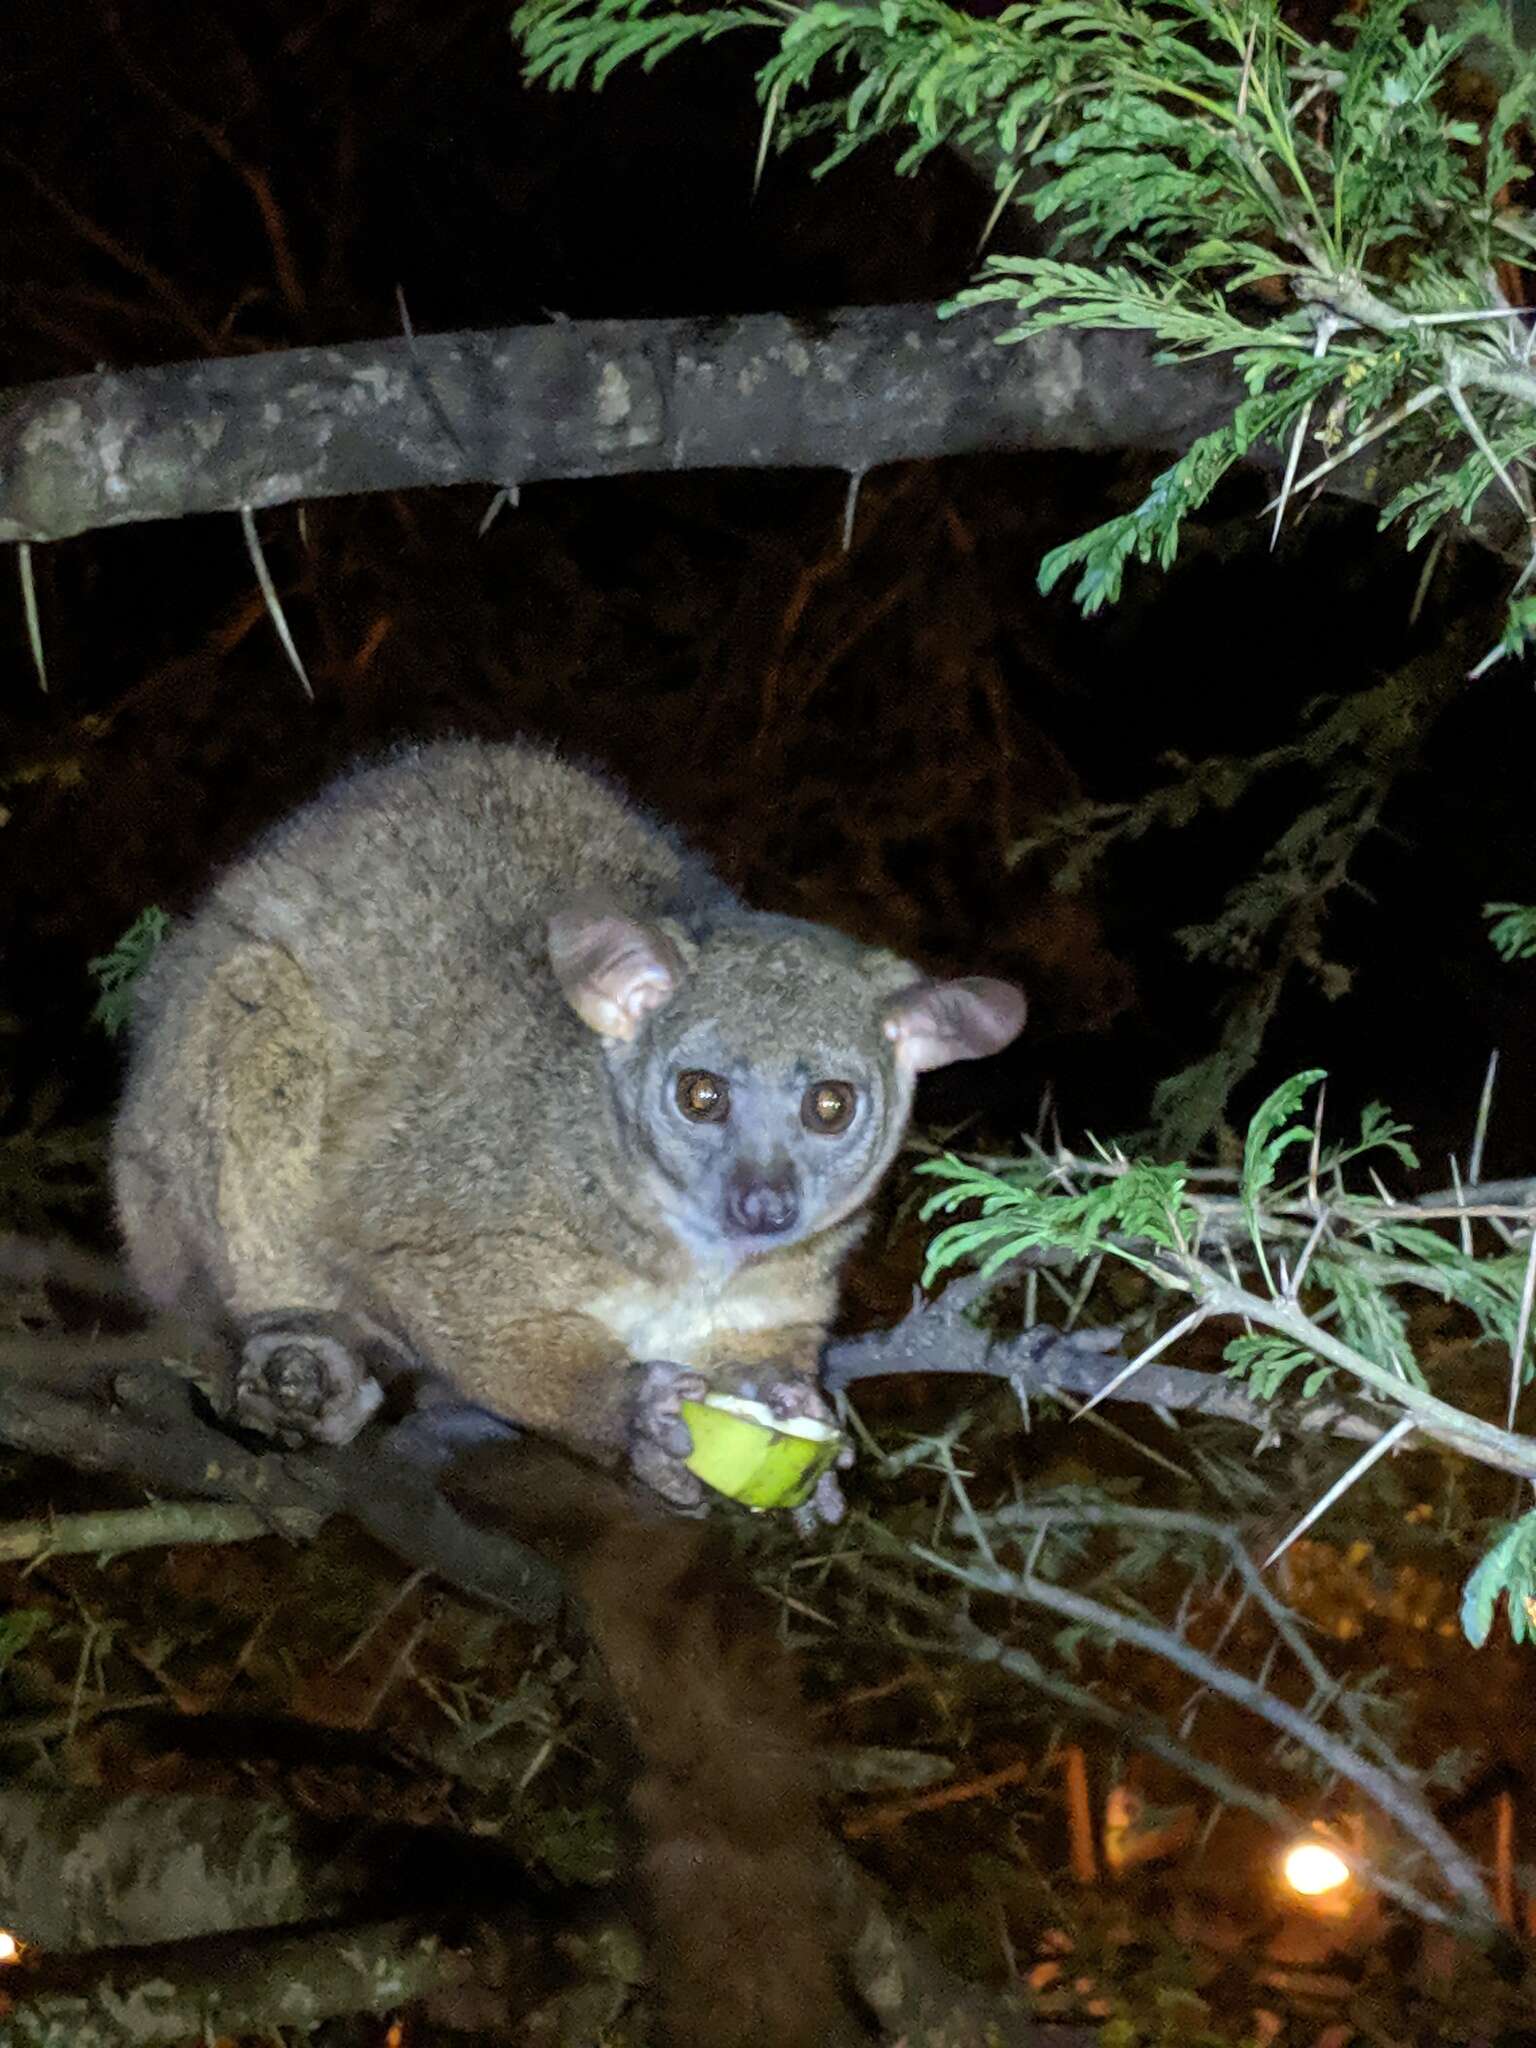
point(745, 1451)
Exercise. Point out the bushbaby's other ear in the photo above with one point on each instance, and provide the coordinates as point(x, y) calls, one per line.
point(934, 1023)
point(612, 969)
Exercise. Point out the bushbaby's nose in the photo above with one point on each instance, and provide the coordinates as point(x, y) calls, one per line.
point(762, 1205)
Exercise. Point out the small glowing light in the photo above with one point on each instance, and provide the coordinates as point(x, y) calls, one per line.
point(1312, 1868)
point(10, 1947)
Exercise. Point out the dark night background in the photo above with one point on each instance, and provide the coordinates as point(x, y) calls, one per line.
point(856, 737)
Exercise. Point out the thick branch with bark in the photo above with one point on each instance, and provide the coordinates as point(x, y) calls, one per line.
point(848, 390)
point(254, 1985)
point(80, 1873)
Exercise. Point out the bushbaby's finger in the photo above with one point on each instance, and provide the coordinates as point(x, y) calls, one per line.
point(825, 1509)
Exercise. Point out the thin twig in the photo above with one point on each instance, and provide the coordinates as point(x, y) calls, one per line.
point(1255, 1588)
point(1385, 1790)
point(851, 506)
point(113, 1531)
point(1484, 1109)
point(1485, 448)
point(878, 1820)
point(1327, 327)
point(1522, 1334)
point(1311, 1245)
point(1140, 1732)
point(770, 121)
point(30, 613)
point(1366, 436)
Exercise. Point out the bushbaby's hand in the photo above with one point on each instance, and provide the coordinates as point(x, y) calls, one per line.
point(795, 1393)
point(825, 1508)
point(658, 1436)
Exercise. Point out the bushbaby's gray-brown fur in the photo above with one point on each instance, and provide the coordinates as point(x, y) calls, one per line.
point(415, 1063)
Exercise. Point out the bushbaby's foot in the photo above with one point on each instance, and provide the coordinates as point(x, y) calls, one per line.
point(658, 1436)
point(304, 1378)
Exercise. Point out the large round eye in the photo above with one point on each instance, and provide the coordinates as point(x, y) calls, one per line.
point(828, 1107)
point(703, 1098)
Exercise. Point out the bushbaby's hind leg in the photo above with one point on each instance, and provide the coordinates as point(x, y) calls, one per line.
point(269, 1076)
point(305, 1371)
point(217, 1152)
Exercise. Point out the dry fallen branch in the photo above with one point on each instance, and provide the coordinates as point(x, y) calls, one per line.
point(80, 1870)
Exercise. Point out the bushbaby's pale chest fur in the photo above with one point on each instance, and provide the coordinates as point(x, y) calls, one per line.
point(698, 1320)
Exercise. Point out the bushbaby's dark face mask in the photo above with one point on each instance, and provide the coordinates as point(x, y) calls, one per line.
point(762, 1076)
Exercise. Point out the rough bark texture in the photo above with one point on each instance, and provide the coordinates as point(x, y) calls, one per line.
point(237, 1987)
point(847, 390)
point(81, 1871)
point(185, 1893)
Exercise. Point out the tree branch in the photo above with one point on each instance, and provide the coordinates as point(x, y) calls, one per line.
point(111, 1404)
point(80, 1873)
point(146, 1423)
point(80, 1870)
point(111, 1531)
point(847, 390)
point(936, 1337)
point(1383, 1787)
point(252, 1985)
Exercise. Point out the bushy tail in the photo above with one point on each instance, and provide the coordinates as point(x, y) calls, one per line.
point(736, 1863)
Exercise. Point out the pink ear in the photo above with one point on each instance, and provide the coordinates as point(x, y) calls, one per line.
point(612, 969)
point(934, 1023)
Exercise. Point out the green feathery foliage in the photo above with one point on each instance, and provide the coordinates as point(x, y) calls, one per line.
point(1313, 211)
point(116, 972)
point(1509, 1570)
point(1513, 930)
point(1321, 1276)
